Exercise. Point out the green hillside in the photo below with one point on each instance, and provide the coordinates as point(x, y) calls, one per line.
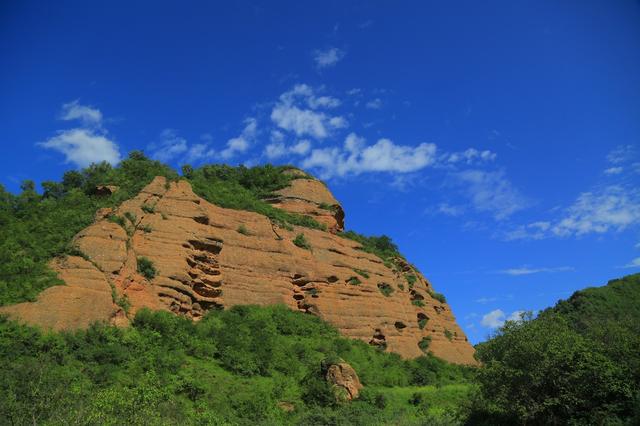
point(578, 362)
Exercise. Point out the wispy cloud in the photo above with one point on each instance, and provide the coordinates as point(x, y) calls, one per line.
point(526, 270)
point(491, 192)
point(328, 57)
point(635, 263)
point(241, 143)
point(374, 104)
point(86, 144)
point(611, 208)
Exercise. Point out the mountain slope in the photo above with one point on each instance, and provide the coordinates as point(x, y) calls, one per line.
point(169, 249)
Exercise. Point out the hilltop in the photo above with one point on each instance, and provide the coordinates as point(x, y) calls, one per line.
point(213, 238)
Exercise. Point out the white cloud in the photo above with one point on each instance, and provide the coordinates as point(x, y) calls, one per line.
point(301, 148)
point(497, 318)
point(89, 116)
point(610, 208)
point(470, 156)
point(374, 104)
point(491, 192)
point(169, 146)
point(83, 147)
point(613, 170)
point(384, 156)
point(354, 91)
point(450, 210)
point(241, 143)
point(296, 111)
point(493, 319)
point(635, 263)
point(525, 270)
point(484, 300)
point(328, 57)
point(86, 144)
point(620, 154)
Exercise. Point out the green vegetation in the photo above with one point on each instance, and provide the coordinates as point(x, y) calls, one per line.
point(243, 188)
point(34, 227)
point(381, 246)
point(353, 281)
point(422, 322)
point(385, 289)
point(361, 272)
point(148, 208)
point(122, 301)
point(301, 241)
point(131, 217)
point(237, 366)
point(448, 334)
point(418, 302)
point(424, 344)
point(146, 268)
point(243, 230)
point(577, 363)
point(330, 207)
point(146, 228)
point(438, 296)
point(411, 279)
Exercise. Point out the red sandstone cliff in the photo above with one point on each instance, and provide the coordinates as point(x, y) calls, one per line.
point(203, 261)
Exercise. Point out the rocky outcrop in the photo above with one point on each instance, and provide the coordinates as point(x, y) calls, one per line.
point(344, 377)
point(206, 256)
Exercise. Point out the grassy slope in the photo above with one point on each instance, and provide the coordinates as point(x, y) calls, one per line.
point(234, 367)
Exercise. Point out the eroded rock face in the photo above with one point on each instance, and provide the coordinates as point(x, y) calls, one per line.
point(343, 376)
point(203, 261)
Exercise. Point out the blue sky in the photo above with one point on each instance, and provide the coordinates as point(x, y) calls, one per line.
point(497, 143)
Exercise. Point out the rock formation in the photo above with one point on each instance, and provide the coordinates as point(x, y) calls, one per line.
point(343, 376)
point(207, 256)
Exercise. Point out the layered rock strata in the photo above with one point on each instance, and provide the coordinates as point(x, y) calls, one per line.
point(210, 257)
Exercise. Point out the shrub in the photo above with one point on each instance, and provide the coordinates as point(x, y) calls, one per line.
point(361, 272)
point(148, 208)
point(385, 289)
point(132, 217)
point(411, 279)
point(146, 228)
point(353, 281)
point(438, 296)
point(422, 321)
point(448, 334)
point(418, 302)
point(424, 343)
point(242, 230)
point(381, 246)
point(118, 220)
point(146, 268)
point(301, 241)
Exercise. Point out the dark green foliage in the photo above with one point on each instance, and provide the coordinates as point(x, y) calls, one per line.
point(148, 208)
point(385, 289)
point(245, 188)
point(353, 281)
point(417, 302)
point(35, 228)
point(361, 272)
point(243, 230)
point(146, 268)
point(131, 217)
point(381, 246)
point(301, 242)
point(411, 279)
point(576, 363)
point(118, 219)
point(424, 343)
point(422, 323)
point(448, 334)
point(438, 296)
point(146, 228)
point(232, 367)
point(330, 207)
